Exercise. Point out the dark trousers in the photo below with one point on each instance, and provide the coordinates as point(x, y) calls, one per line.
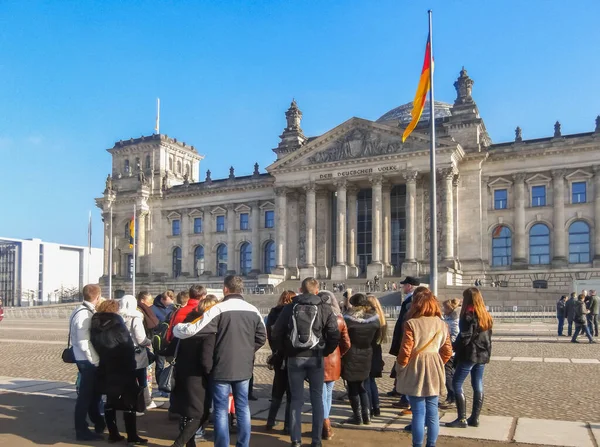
point(570, 326)
point(281, 385)
point(357, 390)
point(372, 392)
point(561, 325)
point(582, 328)
point(160, 365)
point(593, 324)
point(449, 370)
point(88, 399)
point(299, 369)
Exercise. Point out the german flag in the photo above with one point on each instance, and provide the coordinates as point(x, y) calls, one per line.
point(422, 90)
point(131, 232)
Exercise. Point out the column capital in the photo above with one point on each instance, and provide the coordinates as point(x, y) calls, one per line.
point(376, 180)
point(558, 174)
point(519, 177)
point(410, 176)
point(341, 184)
point(230, 207)
point(281, 191)
point(447, 172)
point(310, 187)
point(253, 204)
point(352, 189)
point(456, 180)
point(596, 169)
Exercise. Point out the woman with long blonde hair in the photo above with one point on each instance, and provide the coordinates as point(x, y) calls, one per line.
point(377, 360)
point(473, 348)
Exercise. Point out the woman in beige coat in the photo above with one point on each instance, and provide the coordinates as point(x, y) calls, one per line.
point(425, 348)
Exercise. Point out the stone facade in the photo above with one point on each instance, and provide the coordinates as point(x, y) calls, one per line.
point(355, 202)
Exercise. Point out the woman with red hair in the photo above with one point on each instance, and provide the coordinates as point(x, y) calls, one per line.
point(473, 348)
point(424, 350)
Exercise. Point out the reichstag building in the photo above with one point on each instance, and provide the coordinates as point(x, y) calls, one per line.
point(353, 203)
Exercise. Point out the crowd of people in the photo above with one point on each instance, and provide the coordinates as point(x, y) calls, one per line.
point(580, 311)
point(208, 346)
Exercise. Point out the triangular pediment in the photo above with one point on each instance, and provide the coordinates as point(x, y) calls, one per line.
point(538, 178)
point(579, 174)
point(499, 182)
point(357, 139)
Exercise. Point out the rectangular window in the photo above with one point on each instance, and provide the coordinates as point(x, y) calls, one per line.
point(244, 221)
point(269, 219)
point(197, 225)
point(579, 192)
point(538, 196)
point(500, 199)
point(176, 227)
point(220, 224)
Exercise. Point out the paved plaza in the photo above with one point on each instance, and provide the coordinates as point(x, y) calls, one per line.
point(532, 385)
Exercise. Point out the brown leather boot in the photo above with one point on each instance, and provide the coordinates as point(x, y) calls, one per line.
point(327, 432)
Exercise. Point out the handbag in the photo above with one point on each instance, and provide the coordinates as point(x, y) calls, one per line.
point(166, 381)
point(68, 356)
point(142, 357)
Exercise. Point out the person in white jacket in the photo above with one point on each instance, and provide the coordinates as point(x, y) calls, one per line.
point(134, 321)
point(86, 358)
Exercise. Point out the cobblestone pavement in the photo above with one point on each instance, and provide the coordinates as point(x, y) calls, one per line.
point(518, 389)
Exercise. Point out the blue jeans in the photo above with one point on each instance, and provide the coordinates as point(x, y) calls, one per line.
point(242, 412)
point(311, 368)
point(327, 398)
point(88, 399)
point(561, 325)
point(582, 328)
point(372, 391)
point(424, 413)
point(462, 371)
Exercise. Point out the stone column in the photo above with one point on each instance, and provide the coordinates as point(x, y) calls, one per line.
point(410, 265)
point(447, 247)
point(280, 230)
point(186, 255)
point(519, 240)
point(256, 251)
point(387, 228)
point(311, 225)
point(558, 218)
point(351, 250)
point(107, 224)
point(339, 272)
point(210, 262)
point(231, 250)
point(376, 265)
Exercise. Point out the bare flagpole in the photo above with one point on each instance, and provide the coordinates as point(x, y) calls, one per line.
point(134, 238)
point(433, 246)
point(110, 254)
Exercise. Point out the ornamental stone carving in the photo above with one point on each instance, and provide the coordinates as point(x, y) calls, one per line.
point(410, 176)
point(519, 177)
point(558, 174)
point(358, 143)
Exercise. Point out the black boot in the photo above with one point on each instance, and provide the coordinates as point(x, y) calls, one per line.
point(473, 420)
point(461, 408)
point(187, 432)
point(131, 427)
point(365, 405)
point(110, 416)
point(273, 410)
point(356, 418)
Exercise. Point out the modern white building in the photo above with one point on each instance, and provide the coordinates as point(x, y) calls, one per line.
point(34, 272)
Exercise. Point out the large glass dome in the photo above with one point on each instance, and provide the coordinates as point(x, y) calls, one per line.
point(402, 113)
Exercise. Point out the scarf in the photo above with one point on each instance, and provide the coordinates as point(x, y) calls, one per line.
point(150, 320)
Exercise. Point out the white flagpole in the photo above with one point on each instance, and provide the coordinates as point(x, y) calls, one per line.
point(433, 254)
point(89, 247)
point(110, 254)
point(134, 238)
point(157, 128)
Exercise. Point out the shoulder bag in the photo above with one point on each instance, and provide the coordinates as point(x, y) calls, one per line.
point(143, 356)
point(166, 381)
point(68, 356)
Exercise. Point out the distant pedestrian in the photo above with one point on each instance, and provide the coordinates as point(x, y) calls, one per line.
point(1, 310)
point(451, 309)
point(581, 323)
point(87, 360)
point(240, 333)
point(593, 315)
point(377, 363)
point(570, 312)
point(561, 314)
point(473, 348)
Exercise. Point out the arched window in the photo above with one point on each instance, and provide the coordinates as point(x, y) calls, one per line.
point(179, 167)
point(269, 257)
point(501, 246)
point(176, 262)
point(222, 260)
point(187, 169)
point(148, 166)
point(245, 258)
point(126, 166)
point(579, 243)
point(539, 244)
point(199, 260)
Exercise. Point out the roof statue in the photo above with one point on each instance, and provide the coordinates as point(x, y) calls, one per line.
point(464, 88)
point(256, 172)
point(231, 172)
point(208, 179)
point(109, 187)
point(557, 132)
point(518, 135)
point(597, 124)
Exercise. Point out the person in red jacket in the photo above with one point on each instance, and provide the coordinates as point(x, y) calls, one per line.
point(188, 302)
point(1, 310)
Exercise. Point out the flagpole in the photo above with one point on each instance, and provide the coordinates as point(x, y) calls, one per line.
point(89, 247)
point(134, 237)
point(157, 128)
point(110, 254)
point(433, 255)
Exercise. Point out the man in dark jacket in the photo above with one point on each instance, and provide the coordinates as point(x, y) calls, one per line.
point(592, 317)
point(581, 320)
point(240, 333)
point(560, 314)
point(570, 312)
point(306, 363)
point(408, 287)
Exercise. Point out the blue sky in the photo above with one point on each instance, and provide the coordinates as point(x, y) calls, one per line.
point(77, 76)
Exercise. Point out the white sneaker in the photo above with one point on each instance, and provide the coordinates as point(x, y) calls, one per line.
point(138, 414)
point(152, 405)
